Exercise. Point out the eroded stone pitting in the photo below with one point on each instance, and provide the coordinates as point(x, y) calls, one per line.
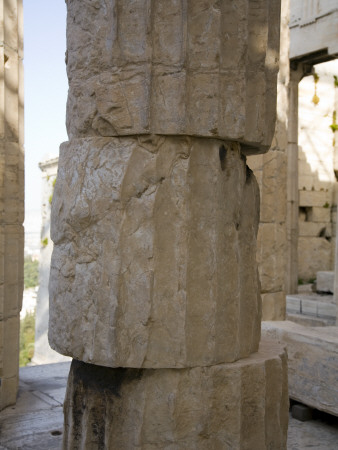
point(173, 67)
point(154, 259)
point(168, 408)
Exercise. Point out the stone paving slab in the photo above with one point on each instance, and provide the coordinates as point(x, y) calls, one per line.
point(36, 421)
point(312, 362)
point(314, 434)
point(312, 305)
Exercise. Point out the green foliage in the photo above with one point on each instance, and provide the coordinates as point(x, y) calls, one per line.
point(300, 281)
point(31, 273)
point(44, 242)
point(51, 195)
point(326, 205)
point(315, 98)
point(334, 125)
point(27, 336)
point(335, 81)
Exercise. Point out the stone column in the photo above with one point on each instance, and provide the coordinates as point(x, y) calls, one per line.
point(154, 287)
point(296, 74)
point(11, 195)
point(335, 166)
point(270, 171)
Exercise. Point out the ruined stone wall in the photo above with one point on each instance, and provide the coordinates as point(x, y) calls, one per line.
point(271, 173)
point(11, 195)
point(317, 181)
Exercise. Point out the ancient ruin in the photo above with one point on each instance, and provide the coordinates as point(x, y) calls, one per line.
point(11, 195)
point(154, 288)
point(311, 341)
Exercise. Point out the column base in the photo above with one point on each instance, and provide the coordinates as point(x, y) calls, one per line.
point(241, 405)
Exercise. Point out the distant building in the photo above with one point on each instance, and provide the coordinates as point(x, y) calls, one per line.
point(43, 354)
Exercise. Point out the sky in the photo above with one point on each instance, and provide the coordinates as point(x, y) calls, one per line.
point(46, 89)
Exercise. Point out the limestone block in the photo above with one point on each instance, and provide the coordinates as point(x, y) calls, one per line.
point(228, 406)
point(271, 244)
point(315, 198)
point(315, 229)
point(312, 362)
point(319, 214)
point(273, 306)
point(293, 304)
point(202, 68)
point(270, 171)
point(314, 254)
point(154, 262)
point(325, 281)
point(11, 269)
point(273, 197)
point(9, 346)
point(8, 391)
point(309, 321)
point(11, 182)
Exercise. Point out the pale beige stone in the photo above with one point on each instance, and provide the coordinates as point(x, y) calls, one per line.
point(227, 406)
point(10, 341)
point(154, 257)
point(312, 362)
point(315, 198)
point(9, 360)
point(315, 229)
point(270, 171)
point(271, 256)
point(320, 214)
point(8, 391)
point(314, 254)
point(203, 68)
point(11, 195)
point(273, 305)
point(325, 281)
point(273, 192)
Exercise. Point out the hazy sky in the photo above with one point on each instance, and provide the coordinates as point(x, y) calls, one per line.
point(45, 88)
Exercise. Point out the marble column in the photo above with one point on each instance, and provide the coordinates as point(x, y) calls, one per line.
point(296, 74)
point(11, 195)
point(154, 288)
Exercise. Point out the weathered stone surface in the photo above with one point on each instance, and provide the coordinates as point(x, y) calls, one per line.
point(271, 256)
point(273, 305)
point(270, 169)
point(311, 229)
point(11, 195)
point(312, 362)
point(315, 254)
point(203, 68)
point(154, 260)
point(227, 406)
point(319, 199)
point(325, 281)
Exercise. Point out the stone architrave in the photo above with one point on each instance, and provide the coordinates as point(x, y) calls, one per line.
point(154, 221)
